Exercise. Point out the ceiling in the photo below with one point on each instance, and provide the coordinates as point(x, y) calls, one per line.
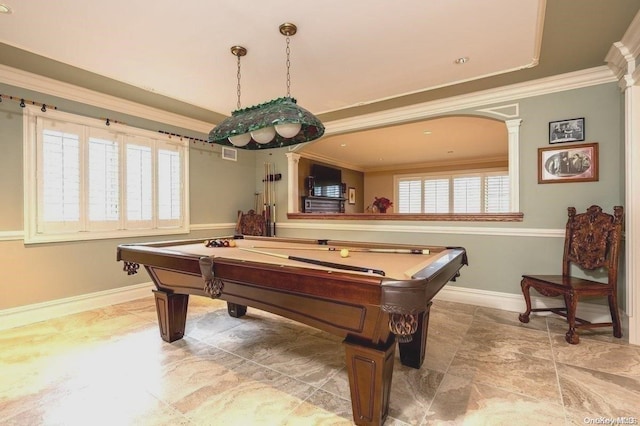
point(347, 58)
point(452, 141)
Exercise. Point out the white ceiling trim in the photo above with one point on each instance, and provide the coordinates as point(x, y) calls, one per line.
point(560, 83)
point(510, 111)
point(333, 161)
point(569, 81)
point(49, 86)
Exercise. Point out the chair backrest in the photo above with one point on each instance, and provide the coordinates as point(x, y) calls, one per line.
point(592, 241)
point(250, 223)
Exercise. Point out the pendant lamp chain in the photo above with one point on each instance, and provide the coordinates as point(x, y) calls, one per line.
point(288, 29)
point(238, 52)
point(288, 68)
point(238, 91)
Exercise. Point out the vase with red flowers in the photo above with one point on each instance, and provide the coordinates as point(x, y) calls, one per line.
point(382, 204)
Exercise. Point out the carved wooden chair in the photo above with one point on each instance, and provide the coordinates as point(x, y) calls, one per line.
point(592, 242)
point(250, 223)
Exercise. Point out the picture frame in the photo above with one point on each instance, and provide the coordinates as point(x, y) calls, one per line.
point(571, 130)
point(575, 163)
point(352, 195)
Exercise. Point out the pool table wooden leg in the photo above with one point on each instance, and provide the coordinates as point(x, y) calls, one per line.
point(172, 314)
point(412, 353)
point(236, 310)
point(370, 372)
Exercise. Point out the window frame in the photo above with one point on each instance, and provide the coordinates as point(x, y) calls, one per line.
point(124, 135)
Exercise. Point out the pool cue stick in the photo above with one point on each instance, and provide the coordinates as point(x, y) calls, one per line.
point(273, 190)
point(270, 198)
point(318, 262)
point(268, 179)
point(353, 249)
point(256, 202)
point(267, 218)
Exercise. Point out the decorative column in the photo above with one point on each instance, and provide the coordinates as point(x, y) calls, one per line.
point(632, 206)
point(293, 200)
point(513, 131)
point(621, 59)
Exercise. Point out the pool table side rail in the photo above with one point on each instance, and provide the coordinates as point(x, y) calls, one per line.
point(406, 296)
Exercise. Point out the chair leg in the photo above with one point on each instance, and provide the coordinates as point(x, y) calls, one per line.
point(571, 303)
point(615, 316)
point(524, 284)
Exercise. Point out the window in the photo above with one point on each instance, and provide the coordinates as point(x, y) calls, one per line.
point(480, 192)
point(86, 181)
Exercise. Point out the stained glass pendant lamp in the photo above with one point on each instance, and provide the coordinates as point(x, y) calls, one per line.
point(273, 124)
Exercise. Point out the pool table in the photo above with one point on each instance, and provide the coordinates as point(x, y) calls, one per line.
point(375, 295)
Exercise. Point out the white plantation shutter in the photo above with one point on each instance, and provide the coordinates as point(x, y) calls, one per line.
point(169, 186)
point(479, 192)
point(409, 195)
point(467, 197)
point(436, 195)
point(59, 181)
point(104, 181)
point(139, 186)
point(496, 193)
point(94, 181)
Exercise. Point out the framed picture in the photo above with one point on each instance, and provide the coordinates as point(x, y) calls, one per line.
point(575, 163)
point(352, 195)
point(566, 130)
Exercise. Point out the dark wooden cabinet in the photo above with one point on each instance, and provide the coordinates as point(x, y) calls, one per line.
point(322, 204)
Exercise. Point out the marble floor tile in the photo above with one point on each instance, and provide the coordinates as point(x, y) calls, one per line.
point(596, 394)
point(109, 366)
point(285, 348)
point(446, 332)
point(508, 338)
point(412, 392)
point(536, 322)
point(321, 408)
point(623, 360)
point(559, 325)
point(508, 370)
point(493, 406)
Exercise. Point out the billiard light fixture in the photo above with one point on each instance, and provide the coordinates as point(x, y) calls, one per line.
point(273, 124)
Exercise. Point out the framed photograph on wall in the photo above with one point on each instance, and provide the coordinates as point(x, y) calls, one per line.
point(566, 131)
point(352, 195)
point(575, 163)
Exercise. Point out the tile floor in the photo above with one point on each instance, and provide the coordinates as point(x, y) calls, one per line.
point(110, 367)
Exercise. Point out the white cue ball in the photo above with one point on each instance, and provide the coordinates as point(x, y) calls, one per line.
point(344, 253)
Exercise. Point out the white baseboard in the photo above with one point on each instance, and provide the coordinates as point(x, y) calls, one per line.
point(515, 303)
point(29, 314)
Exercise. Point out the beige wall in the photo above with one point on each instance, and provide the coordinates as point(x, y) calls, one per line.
point(43, 272)
point(32, 274)
point(500, 252)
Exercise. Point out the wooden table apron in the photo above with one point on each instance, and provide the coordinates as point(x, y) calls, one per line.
point(361, 307)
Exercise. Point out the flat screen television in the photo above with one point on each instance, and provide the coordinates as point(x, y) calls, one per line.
point(327, 181)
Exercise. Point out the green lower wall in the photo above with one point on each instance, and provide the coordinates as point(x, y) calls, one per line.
point(498, 261)
point(33, 274)
point(44, 272)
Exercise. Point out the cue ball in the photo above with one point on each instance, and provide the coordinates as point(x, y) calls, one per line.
point(344, 253)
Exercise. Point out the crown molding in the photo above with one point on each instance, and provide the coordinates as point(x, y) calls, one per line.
point(328, 160)
point(49, 86)
point(510, 93)
point(622, 55)
point(631, 38)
